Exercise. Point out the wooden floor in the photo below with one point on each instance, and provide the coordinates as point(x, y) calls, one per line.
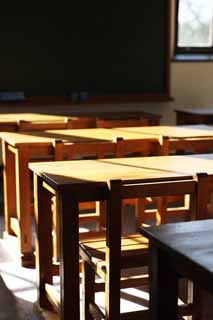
point(18, 292)
point(18, 288)
point(21, 283)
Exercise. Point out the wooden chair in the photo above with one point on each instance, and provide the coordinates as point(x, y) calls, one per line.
point(136, 147)
point(113, 123)
point(91, 211)
point(107, 255)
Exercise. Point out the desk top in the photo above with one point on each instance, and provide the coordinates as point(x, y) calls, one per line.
point(87, 172)
point(6, 120)
point(189, 241)
point(71, 135)
point(33, 117)
point(101, 134)
point(187, 131)
point(198, 111)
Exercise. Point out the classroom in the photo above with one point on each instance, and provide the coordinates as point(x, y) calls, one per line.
point(106, 162)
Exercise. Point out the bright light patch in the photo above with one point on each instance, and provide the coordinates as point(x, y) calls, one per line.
point(195, 23)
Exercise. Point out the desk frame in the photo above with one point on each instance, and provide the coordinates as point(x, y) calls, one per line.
point(68, 197)
point(16, 176)
point(190, 117)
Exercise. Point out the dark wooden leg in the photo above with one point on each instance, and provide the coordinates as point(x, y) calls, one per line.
point(163, 287)
point(69, 255)
point(203, 194)
point(23, 205)
point(161, 215)
point(88, 288)
point(112, 255)
point(101, 209)
point(9, 187)
point(43, 220)
point(198, 299)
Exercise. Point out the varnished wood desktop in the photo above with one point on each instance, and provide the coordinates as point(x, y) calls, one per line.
point(180, 249)
point(13, 122)
point(57, 112)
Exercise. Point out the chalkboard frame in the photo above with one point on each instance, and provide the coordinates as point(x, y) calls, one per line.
point(115, 98)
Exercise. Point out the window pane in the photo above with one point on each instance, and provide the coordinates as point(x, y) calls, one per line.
point(195, 23)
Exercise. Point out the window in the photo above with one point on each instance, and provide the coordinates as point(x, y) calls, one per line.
point(194, 27)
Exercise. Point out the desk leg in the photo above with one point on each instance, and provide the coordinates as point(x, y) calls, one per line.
point(43, 219)
point(163, 287)
point(69, 255)
point(9, 187)
point(23, 204)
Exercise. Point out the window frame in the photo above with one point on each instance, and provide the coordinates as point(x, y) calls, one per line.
point(187, 50)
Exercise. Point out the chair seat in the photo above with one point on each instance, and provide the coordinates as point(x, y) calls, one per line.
point(134, 249)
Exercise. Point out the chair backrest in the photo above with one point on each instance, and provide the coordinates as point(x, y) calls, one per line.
point(116, 148)
point(97, 150)
point(83, 122)
point(113, 123)
point(143, 147)
point(191, 145)
point(120, 190)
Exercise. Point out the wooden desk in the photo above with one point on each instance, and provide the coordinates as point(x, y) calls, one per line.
point(73, 182)
point(174, 132)
point(196, 138)
point(77, 181)
point(181, 249)
point(18, 150)
point(194, 115)
point(67, 111)
point(153, 119)
point(31, 117)
point(17, 122)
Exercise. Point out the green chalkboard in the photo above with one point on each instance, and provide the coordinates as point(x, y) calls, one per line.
point(100, 48)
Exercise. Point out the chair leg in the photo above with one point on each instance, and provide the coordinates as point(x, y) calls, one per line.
point(88, 290)
point(161, 215)
point(140, 212)
point(101, 209)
